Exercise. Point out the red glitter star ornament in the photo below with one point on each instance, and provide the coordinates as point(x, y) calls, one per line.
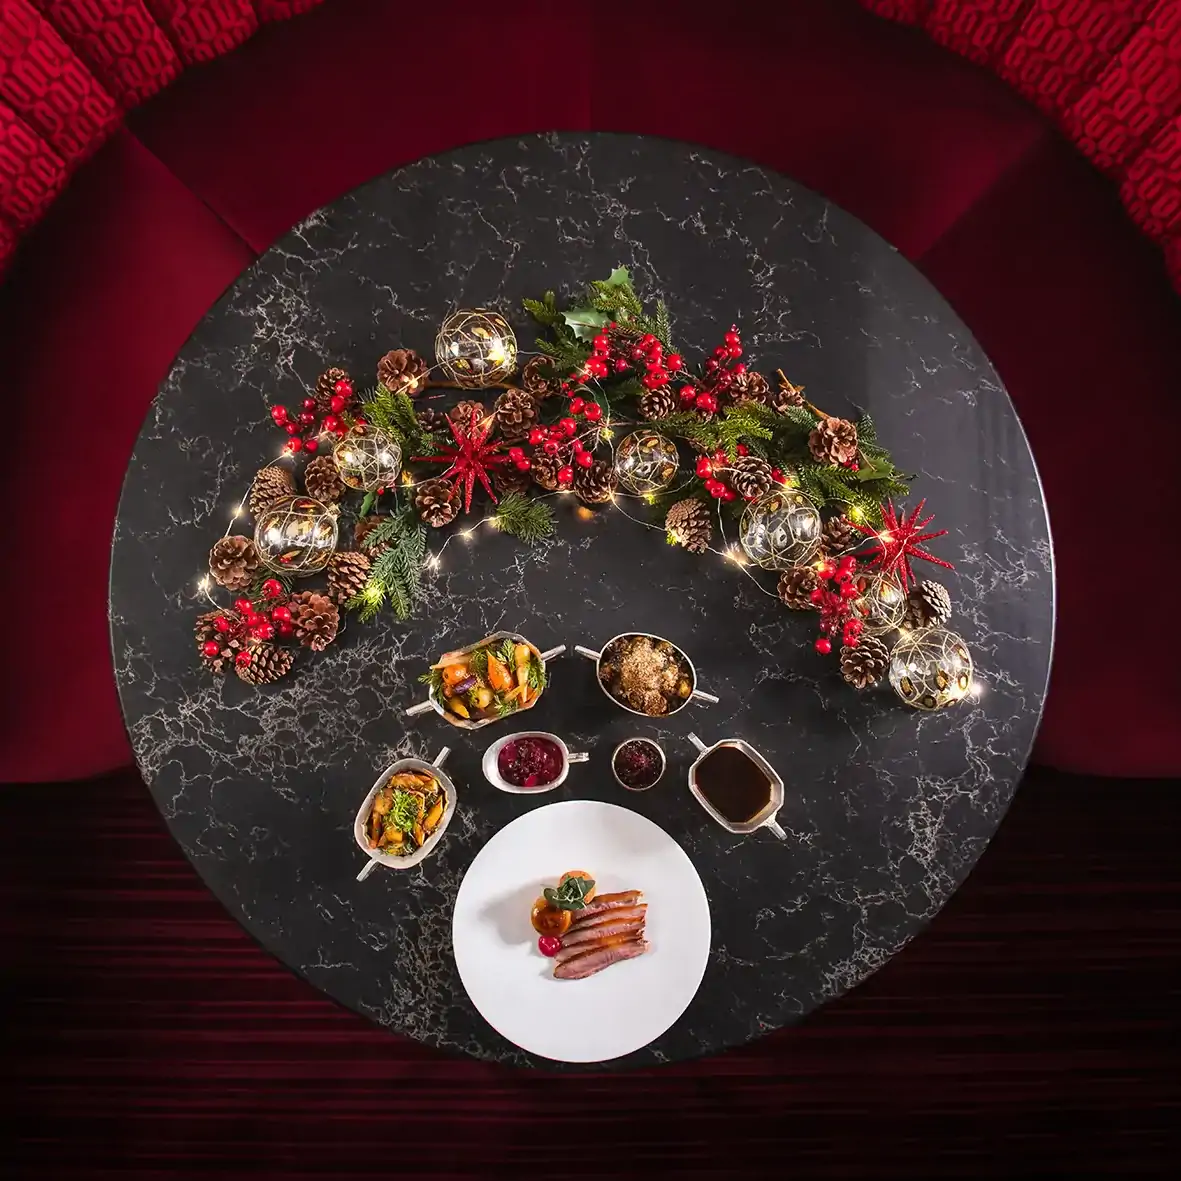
point(471, 457)
point(898, 541)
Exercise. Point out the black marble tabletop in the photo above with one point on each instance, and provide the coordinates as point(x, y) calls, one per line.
point(887, 810)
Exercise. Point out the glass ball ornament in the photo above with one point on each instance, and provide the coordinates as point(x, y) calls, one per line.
point(476, 348)
point(296, 535)
point(645, 462)
point(780, 530)
point(881, 603)
point(930, 669)
point(367, 460)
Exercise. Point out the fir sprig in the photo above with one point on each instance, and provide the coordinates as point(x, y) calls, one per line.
point(528, 520)
point(394, 414)
point(433, 679)
point(396, 574)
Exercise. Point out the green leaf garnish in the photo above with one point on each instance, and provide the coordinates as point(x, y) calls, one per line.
point(570, 895)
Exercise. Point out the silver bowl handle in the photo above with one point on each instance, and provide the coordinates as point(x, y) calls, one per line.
point(552, 652)
point(701, 747)
point(441, 757)
point(369, 868)
point(773, 825)
point(577, 757)
point(705, 696)
point(589, 653)
point(421, 708)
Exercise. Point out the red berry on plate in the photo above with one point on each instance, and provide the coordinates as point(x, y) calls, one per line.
point(593, 412)
point(211, 648)
point(549, 945)
point(824, 645)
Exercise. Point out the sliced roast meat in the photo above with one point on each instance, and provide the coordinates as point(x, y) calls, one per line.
point(610, 916)
point(598, 958)
point(606, 902)
point(589, 932)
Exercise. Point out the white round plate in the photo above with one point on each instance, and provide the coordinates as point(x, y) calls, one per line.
point(621, 1008)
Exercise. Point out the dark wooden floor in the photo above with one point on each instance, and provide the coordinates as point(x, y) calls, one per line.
point(1031, 1028)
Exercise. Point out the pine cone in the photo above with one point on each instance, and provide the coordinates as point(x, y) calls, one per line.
point(928, 603)
point(751, 386)
point(787, 395)
point(316, 619)
point(689, 523)
point(461, 412)
point(326, 387)
point(507, 480)
point(348, 571)
point(233, 562)
point(516, 412)
point(322, 481)
point(434, 422)
point(796, 586)
point(362, 529)
point(834, 440)
point(839, 535)
point(545, 471)
point(539, 378)
point(437, 502)
point(267, 663)
point(594, 484)
point(750, 476)
point(205, 631)
point(658, 403)
point(402, 369)
point(866, 663)
point(270, 484)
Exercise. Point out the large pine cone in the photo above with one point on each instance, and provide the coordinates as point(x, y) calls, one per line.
point(787, 395)
point(545, 471)
point(594, 484)
point(316, 619)
point(751, 386)
point(507, 480)
point(270, 484)
point(750, 476)
point(516, 412)
point(796, 586)
point(348, 571)
point(322, 481)
point(205, 631)
point(233, 562)
point(402, 369)
point(866, 663)
point(927, 604)
point(834, 440)
point(840, 534)
point(362, 529)
point(539, 378)
point(437, 502)
point(690, 524)
point(267, 663)
point(461, 413)
point(326, 387)
point(658, 403)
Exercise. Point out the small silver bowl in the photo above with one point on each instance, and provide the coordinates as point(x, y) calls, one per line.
point(597, 657)
point(647, 742)
point(491, 767)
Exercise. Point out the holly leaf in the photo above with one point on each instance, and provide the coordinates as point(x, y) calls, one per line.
point(620, 277)
point(875, 470)
point(367, 504)
point(585, 322)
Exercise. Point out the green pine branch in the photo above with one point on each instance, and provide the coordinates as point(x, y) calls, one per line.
point(545, 310)
point(394, 414)
point(396, 574)
point(528, 520)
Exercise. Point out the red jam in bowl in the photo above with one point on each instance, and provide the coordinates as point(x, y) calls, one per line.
point(530, 761)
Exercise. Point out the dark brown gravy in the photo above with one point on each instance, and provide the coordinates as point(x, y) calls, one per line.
point(735, 786)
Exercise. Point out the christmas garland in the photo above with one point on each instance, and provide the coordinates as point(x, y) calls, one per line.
point(758, 449)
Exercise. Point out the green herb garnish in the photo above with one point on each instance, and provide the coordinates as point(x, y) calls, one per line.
point(536, 674)
point(404, 810)
point(570, 895)
point(434, 678)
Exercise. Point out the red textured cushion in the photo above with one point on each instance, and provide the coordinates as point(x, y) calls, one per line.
point(102, 296)
point(1075, 310)
point(204, 29)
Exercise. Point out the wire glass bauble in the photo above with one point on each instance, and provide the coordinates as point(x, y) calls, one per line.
point(646, 461)
point(881, 604)
point(367, 459)
point(931, 668)
point(476, 348)
point(296, 535)
point(780, 530)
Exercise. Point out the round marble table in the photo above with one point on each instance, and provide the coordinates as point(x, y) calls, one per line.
point(887, 810)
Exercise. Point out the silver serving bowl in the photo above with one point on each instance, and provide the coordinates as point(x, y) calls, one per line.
point(597, 657)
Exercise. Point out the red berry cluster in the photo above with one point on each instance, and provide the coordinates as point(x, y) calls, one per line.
point(721, 370)
point(619, 354)
point(712, 469)
point(247, 622)
point(837, 603)
point(304, 431)
point(562, 440)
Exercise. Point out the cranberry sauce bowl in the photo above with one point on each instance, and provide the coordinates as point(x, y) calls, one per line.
point(529, 762)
